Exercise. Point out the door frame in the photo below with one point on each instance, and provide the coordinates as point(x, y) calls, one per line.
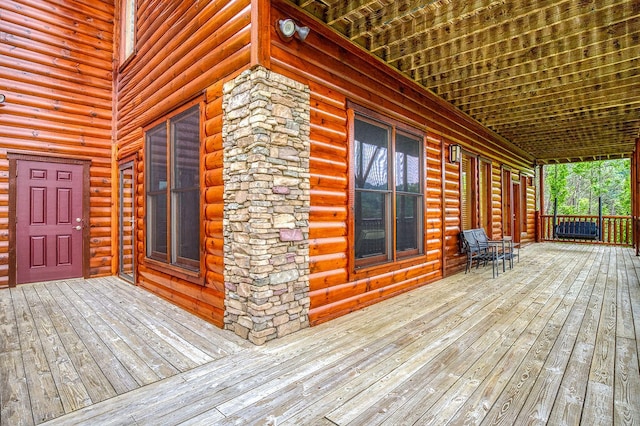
point(507, 204)
point(13, 167)
point(130, 161)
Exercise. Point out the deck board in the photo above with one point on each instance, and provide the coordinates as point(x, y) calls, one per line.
point(71, 344)
point(97, 386)
point(104, 360)
point(46, 402)
point(105, 325)
point(553, 341)
point(598, 403)
point(542, 395)
point(73, 394)
point(15, 407)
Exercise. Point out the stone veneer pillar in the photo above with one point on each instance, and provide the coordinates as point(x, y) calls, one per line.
point(266, 205)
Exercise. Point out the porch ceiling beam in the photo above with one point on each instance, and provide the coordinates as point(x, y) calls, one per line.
point(549, 152)
point(514, 30)
point(402, 29)
point(619, 113)
point(342, 9)
point(404, 16)
point(564, 137)
point(513, 69)
point(616, 83)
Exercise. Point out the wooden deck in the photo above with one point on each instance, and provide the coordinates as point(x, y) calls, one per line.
point(553, 341)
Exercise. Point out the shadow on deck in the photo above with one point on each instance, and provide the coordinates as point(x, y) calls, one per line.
point(555, 340)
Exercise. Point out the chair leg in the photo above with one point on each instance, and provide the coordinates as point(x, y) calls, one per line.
point(494, 266)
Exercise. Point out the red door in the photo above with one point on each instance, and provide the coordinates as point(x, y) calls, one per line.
point(49, 221)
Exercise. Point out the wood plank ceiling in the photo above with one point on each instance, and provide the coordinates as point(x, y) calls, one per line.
point(559, 79)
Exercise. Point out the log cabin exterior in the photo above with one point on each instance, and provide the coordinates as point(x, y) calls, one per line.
point(221, 162)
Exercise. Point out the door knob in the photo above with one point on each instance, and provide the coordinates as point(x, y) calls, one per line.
point(78, 228)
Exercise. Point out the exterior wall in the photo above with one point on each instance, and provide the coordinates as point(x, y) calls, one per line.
point(58, 62)
point(184, 52)
point(56, 73)
point(530, 232)
point(337, 73)
point(451, 212)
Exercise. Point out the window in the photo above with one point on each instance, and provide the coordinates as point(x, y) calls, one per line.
point(507, 207)
point(475, 193)
point(128, 29)
point(467, 185)
point(172, 185)
point(523, 204)
point(484, 195)
point(388, 192)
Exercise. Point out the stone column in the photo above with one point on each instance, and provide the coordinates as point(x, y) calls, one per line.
point(266, 205)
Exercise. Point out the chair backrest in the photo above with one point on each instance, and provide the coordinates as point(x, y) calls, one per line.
point(471, 240)
point(481, 237)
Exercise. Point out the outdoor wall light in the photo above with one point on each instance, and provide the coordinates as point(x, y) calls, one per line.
point(287, 28)
point(454, 153)
point(2, 98)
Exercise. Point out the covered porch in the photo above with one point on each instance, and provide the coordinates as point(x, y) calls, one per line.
point(554, 340)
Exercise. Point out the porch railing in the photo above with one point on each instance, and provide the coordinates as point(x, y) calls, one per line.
point(614, 230)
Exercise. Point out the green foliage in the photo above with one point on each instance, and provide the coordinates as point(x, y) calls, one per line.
point(555, 178)
point(578, 186)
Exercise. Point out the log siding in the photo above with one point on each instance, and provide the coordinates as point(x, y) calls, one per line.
point(71, 97)
point(338, 74)
point(56, 72)
point(184, 52)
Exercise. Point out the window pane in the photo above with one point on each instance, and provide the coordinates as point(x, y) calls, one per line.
point(371, 156)
point(157, 152)
point(407, 222)
point(484, 195)
point(407, 164)
point(185, 130)
point(186, 225)
point(506, 203)
point(128, 28)
point(466, 193)
point(156, 191)
point(186, 149)
point(370, 230)
point(157, 224)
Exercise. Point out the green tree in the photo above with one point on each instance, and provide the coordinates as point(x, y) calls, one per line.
point(555, 177)
point(579, 186)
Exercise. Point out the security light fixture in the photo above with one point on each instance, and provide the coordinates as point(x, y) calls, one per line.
point(287, 28)
point(454, 153)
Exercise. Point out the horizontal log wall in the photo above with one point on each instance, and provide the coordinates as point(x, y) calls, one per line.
point(56, 73)
point(184, 51)
point(452, 215)
point(336, 73)
point(530, 232)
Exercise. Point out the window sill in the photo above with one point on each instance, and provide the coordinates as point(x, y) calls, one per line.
point(176, 271)
point(122, 65)
point(367, 271)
